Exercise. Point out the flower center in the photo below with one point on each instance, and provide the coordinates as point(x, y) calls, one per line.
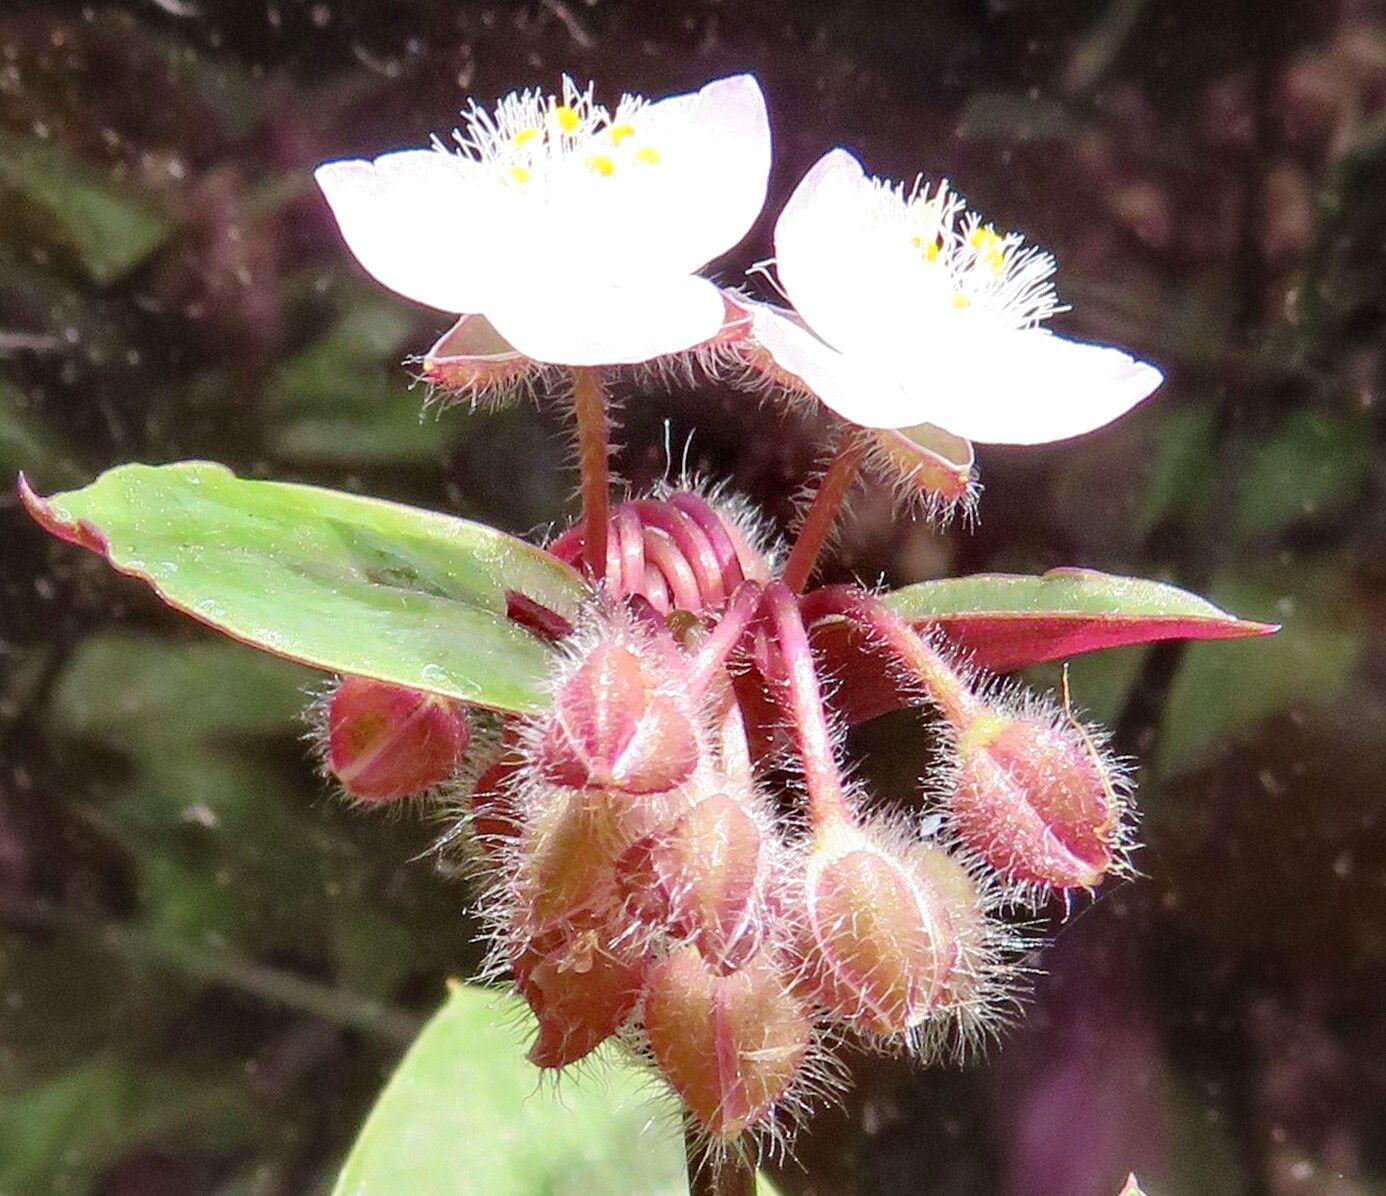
point(538, 138)
point(969, 265)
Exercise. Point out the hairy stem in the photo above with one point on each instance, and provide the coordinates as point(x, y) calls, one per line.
point(733, 1176)
point(589, 401)
point(827, 799)
point(827, 502)
point(713, 653)
point(921, 661)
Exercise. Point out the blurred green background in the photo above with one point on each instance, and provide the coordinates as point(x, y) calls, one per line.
point(208, 967)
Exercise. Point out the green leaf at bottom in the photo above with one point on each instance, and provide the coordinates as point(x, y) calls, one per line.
point(467, 1113)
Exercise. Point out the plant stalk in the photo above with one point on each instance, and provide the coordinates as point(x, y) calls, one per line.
point(803, 700)
point(920, 660)
point(594, 461)
point(823, 512)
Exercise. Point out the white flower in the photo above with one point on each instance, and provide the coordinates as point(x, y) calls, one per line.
point(575, 231)
point(910, 310)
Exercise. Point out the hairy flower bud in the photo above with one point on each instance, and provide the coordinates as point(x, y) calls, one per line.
point(385, 741)
point(567, 858)
point(581, 982)
point(1036, 802)
point(613, 729)
point(963, 925)
point(875, 944)
point(730, 1045)
point(705, 877)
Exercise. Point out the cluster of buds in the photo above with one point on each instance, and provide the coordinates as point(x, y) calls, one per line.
point(644, 877)
point(645, 872)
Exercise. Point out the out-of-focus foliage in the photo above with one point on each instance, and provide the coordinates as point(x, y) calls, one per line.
point(208, 967)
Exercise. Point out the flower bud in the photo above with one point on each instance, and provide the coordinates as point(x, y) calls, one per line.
point(874, 942)
point(568, 853)
point(582, 983)
point(1035, 802)
point(730, 1045)
point(472, 360)
point(612, 729)
point(963, 925)
point(705, 878)
point(385, 741)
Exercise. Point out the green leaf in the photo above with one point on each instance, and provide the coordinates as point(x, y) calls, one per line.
point(337, 581)
point(1223, 690)
point(145, 695)
point(1008, 620)
point(336, 402)
point(58, 1134)
point(25, 444)
point(467, 1112)
point(1311, 468)
point(72, 205)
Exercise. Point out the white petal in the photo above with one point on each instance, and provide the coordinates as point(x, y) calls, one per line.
point(1011, 388)
point(840, 256)
point(604, 325)
point(420, 222)
point(714, 164)
point(850, 386)
point(1026, 388)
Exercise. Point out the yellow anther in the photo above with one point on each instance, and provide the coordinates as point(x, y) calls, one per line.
point(620, 132)
point(567, 118)
point(647, 154)
point(518, 174)
point(930, 248)
point(524, 137)
point(601, 164)
point(990, 247)
point(960, 300)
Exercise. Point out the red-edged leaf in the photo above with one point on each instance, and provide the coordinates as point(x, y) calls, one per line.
point(1004, 622)
point(348, 584)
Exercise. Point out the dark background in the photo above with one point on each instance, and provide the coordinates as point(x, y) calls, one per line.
point(207, 966)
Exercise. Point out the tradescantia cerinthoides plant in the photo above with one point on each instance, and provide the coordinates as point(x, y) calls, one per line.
point(607, 721)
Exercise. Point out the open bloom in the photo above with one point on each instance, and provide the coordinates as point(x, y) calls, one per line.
point(910, 310)
point(573, 231)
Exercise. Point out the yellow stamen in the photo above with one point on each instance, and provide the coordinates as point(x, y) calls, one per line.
point(524, 137)
point(647, 154)
point(620, 132)
point(990, 247)
point(601, 164)
point(961, 301)
point(518, 174)
point(931, 251)
point(567, 118)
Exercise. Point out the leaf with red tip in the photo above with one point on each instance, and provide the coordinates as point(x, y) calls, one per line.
point(346, 583)
point(1007, 621)
point(1004, 622)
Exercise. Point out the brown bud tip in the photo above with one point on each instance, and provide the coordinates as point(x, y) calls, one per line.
point(729, 1045)
point(612, 729)
point(705, 877)
point(387, 742)
point(873, 938)
point(1035, 802)
point(580, 984)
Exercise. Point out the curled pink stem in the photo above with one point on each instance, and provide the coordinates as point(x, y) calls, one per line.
point(714, 652)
